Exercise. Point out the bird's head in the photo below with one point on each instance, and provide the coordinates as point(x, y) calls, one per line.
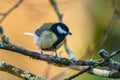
point(60, 29)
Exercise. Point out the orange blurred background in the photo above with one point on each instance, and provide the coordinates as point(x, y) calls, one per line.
point(33, 13)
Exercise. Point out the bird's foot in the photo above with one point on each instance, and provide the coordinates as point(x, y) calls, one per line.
point(41, 55)
point(56, 56)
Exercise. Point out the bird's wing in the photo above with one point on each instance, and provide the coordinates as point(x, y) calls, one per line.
point(41, 29)
point(46, 26)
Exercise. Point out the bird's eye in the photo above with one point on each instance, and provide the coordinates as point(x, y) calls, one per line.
point(60, 30)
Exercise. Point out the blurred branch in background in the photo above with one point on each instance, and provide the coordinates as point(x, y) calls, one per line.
point(109, 27)
point(47, 71)
point(4, 15)
point(56, 8)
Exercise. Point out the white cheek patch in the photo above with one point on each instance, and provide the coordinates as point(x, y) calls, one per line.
point(60, 30)
point(36, 40)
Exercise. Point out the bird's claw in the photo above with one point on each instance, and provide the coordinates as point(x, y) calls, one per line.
point(41, 55)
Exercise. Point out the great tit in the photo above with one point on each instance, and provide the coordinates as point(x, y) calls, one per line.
point(51, 36)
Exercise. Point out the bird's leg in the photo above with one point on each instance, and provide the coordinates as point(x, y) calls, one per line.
point(56, 55)
point(41, 52)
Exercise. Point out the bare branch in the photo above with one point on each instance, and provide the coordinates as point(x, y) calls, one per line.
point(3, 36)
point(55, 6)
point(18, 72)
point(4, 15)
point(105, 73)
point(69, 51)
point(58, 61)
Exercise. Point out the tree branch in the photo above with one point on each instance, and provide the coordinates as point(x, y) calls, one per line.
point(57, 61)
point(18, 72)
point(4, 15)
point(55, 6)
point(88, 65)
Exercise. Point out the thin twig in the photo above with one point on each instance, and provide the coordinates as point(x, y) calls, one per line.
point(3, 36)
point(69, 51)
point(56, 8)
point(4, 15)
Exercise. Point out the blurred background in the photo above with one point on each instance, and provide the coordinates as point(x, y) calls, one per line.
point(86, 20)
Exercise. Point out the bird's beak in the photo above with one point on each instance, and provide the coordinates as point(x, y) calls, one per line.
point(69, 33)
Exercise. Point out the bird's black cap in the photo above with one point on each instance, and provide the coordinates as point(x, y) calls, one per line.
point(63, 27)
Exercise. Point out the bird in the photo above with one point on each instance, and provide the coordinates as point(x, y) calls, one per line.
point(51, 36)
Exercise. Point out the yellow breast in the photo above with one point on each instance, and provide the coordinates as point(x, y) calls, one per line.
point(46, 39)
